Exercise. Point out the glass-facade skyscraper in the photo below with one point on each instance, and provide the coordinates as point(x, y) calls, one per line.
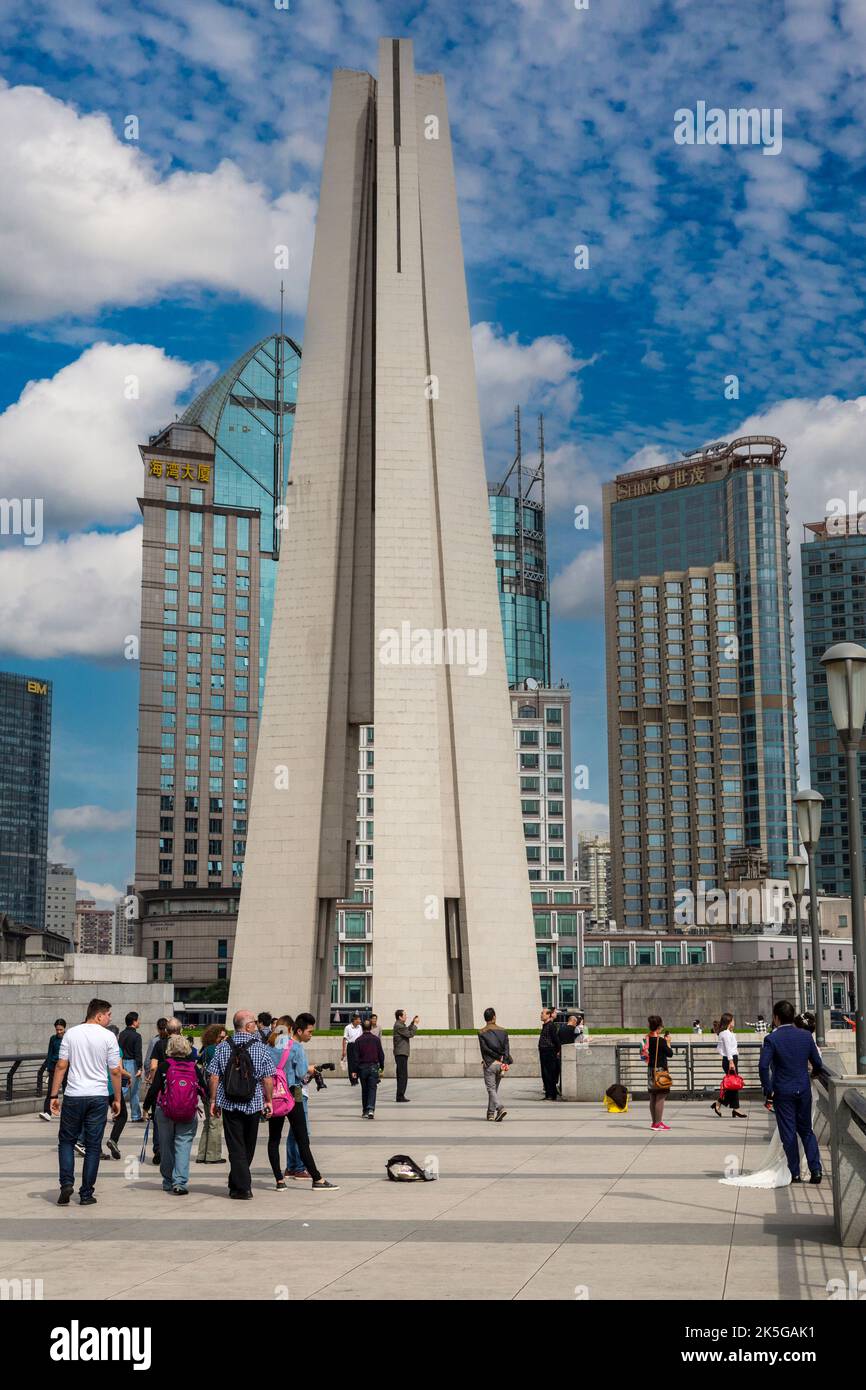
point(833, 566)
point(518, 525)
point(701, 737)
point(25, 761)
point(213, 483)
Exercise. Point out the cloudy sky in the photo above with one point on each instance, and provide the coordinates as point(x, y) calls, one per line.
point(153, 155)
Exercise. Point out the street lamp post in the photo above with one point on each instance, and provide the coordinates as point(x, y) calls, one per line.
point(809, 805)
point(845, 665)
point(797, 880)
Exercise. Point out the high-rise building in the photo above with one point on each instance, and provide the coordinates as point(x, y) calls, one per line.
point(60, 891)
point(94, 928)
point(517, 521)
point(833, 565)
point(701, 738)
point(397, 626)
point(593, 866)
point(214, 482)
point(25, 761)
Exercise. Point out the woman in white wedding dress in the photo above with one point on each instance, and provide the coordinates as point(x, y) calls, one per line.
point(774, 1170)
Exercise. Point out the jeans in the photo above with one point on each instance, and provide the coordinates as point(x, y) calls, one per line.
point(132, 1095)
point(401, 1064)
point(81, 1114)
point(369, 1075)
point(294, 1162)
point(492, 1078)
point(175, 1147)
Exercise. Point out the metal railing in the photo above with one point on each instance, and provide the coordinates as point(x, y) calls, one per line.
point(695, 1068)
point(24, 1075)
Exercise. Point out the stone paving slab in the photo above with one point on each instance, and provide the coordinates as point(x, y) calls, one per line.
point(557, 1202)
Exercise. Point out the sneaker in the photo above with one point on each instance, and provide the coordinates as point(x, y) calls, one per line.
point(655, 1126)
point(87, 1201)
point(491, 1117)
point(300, 1176)
point(240, 1196)
point(369, 1115)
point(112, 1148)
point(65, 1194)
point(103, 1153)
point(281, 1186)
point(500, 1114)
point(80, 1149)
point(403, 1100)
point(44, 1115)
point(795, 1177)
point(816, 1178)
point(180, 1191)
point(324, 1186)
point(662, 1125)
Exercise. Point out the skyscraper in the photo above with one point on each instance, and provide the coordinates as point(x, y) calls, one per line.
point(593, 865)
point(833, 566)
point(517, 520)
point(25, 761)
point(398, 625)
point(701, 739)
point(213, 483)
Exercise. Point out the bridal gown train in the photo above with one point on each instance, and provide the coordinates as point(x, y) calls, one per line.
point(774, 1170)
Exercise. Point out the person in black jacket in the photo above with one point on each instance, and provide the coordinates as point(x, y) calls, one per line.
point(369, 1061)
point(495, 1061)
point(129, 1043)
point(548, 1053)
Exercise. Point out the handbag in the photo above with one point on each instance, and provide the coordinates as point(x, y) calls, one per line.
point(731, 1082)
point(661, 1076)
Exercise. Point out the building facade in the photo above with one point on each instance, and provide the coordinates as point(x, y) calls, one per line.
point(701, 737)
point(25, 763)
point(833, 568)
point(60, 894)
point(517, 521)
point(214, 484)
point(94, 928)
point(593, 867)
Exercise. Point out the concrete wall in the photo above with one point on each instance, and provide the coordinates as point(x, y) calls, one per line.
point(29, 1006)
point(623, 996)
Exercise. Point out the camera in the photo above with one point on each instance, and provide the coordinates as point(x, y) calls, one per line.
point(321, 1084)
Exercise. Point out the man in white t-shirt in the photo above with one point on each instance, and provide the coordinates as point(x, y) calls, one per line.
point(351, 1034)
point(90, 1061)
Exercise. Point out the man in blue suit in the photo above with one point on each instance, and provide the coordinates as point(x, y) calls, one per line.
point(784, 1068)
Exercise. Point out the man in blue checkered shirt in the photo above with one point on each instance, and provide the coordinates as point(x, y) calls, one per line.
point(241, 1117)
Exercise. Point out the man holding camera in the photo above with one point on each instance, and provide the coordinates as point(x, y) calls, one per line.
point(403, 1032)
point(298, 1074)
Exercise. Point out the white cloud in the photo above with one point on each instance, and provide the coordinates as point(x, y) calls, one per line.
point(75, 818)
point(103, 894)
point(72, 439)
point(578, 590)
point(590, 817)
point(78, 597)
point(93, 222)
point(543, 373)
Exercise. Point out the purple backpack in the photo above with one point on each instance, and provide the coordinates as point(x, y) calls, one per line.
point(179, 1095)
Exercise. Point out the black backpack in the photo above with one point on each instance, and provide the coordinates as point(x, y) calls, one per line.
point(239, 1077)
point(402, 1168)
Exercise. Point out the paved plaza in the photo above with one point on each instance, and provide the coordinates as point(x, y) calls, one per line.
point(557, 1202)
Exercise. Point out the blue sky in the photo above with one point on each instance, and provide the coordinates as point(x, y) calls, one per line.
point(152, 259)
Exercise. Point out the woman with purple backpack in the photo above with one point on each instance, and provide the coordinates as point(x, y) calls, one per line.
point(173, 1100)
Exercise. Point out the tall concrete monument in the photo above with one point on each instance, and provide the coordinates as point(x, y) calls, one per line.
point(386, 607)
